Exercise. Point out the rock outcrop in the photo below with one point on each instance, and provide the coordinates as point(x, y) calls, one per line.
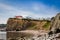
point(55, 24)
point(55, 28)
point(15, 24)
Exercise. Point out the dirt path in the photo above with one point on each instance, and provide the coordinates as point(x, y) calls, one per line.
point(34, 32)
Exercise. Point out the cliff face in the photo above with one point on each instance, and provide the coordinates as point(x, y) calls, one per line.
point(55, 24)
point(15, 24)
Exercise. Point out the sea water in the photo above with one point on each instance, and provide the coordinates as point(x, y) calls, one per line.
point(3, 35)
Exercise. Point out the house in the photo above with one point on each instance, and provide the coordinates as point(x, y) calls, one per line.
point(20, 17)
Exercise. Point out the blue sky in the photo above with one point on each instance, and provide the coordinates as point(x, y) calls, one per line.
point(32, 8)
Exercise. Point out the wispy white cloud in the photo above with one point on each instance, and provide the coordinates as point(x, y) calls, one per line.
point(39, 10)
point(45, 10)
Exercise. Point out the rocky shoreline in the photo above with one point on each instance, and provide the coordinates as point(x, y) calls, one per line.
point(31, 35)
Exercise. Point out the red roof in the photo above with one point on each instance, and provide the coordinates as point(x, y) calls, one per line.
point(18, 16)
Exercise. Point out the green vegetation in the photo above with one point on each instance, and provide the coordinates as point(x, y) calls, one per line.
point(2, 25)
point(28, 23)
point(32, 26)
point(47, 25)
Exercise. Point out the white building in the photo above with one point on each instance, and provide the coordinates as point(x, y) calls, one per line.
point(19, 17)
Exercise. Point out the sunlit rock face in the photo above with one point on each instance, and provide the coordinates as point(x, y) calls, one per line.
point(15, 24)
point(27, 35)
point(55, 28)
point(31, 35)
point(55, 24)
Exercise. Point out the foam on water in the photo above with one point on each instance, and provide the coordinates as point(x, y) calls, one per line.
point(3, 35)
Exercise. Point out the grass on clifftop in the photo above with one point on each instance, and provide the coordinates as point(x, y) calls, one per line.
point(32, 26)
point(47, 25)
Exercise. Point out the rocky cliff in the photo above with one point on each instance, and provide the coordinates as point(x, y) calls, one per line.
point(33, 34)
point(15, 24)
point(55, 24)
